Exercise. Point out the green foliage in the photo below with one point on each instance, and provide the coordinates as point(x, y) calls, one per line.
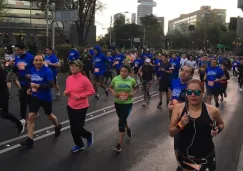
point(149, 21)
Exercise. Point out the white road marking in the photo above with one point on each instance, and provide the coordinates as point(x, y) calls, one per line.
point(52, 132)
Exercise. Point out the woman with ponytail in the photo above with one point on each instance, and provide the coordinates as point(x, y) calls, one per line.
point(78, 88)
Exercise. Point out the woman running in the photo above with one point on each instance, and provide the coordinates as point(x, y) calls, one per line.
point(123, 87)
point(196, 123)
point(78, 88)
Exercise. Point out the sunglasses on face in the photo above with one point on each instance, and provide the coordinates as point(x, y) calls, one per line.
point(196, 92)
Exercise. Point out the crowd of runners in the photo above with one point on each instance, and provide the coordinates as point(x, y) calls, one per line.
point(193, 120)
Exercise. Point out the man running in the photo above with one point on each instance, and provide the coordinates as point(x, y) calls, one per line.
point(164, 82)
point(175, 66)
point(146, 72)
point(51, 61)
point(214, 75)
point(100, 62)
point(40, 90)
point(23, 63)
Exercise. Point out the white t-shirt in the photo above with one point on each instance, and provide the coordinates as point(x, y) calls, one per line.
point(192, 64)
point(183, 62)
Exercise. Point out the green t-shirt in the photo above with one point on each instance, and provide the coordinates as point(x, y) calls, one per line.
point(124, 86)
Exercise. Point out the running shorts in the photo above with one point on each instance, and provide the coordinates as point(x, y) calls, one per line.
point(36, 103)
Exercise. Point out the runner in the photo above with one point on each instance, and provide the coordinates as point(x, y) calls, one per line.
point(239, 69)
point(164, 83)
point(123, 87)
point(175, 66)
point(8, 66)
point(78, 88)
point(146, 72)
point(224, 82)
point(51, 61)
point(235, 63)
point(183, 61)
point(40, 89)
point(214, 75)
point(177, 95)
point(203, 64)
point(109, 73)
point(138, 62)
point(119, 59)
point(100, 67)
point(73, 54)
point(4, 102)
point(23, 63)
point(191, 62)
point(196, 123)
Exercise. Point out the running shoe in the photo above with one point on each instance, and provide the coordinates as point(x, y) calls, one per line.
point(107, 93)
point(96, 98)
point(58, 130)
point(58, 96)
point(76, 149)
point(21, 128)
point(159, 105)
point(129, 132)
point(179, 168)
point(240, 89)
point(222, 99)
point(90, 140)
point(23, 122)
point(144, 104)
point(118, 148)
point(28, 142)
point(149, 98)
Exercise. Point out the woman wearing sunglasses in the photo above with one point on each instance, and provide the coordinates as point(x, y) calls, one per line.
point(196, 123)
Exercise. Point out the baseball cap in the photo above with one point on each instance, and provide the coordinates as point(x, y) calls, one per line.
point(78, 63)
point(148, 60)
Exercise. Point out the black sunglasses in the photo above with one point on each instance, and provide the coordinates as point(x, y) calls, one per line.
point(196, 92)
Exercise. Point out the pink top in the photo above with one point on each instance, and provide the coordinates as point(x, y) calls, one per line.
point(79, 88)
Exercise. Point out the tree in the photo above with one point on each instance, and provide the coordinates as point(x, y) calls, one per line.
point(86, 13)
point(149, 20)
point(3, 10)
point(191, 28)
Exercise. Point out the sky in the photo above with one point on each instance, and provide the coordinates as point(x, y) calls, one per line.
point(169, 9)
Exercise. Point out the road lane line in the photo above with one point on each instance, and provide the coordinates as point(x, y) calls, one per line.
point(65, 128)
point(64, 122)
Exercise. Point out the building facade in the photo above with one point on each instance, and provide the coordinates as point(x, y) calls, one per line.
point(161, 21)
point(145, 8)
point(133, 18)
point(205, 15)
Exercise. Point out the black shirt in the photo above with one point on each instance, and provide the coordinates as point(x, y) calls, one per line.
point(163, 74)
point(147, 71)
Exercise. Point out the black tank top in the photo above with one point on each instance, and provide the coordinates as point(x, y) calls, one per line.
point(203, 144)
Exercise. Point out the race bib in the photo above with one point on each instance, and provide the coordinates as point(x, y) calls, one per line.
point(34, 90)
point(116, 62)
point(123, 96)
point(96, 70)
point(211, 83)
point(21, 66)
point(136, 65)
point(235, 64)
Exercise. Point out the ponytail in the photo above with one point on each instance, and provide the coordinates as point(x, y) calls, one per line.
point(83, 73)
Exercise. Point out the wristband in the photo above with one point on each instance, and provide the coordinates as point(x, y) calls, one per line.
point(180, 126)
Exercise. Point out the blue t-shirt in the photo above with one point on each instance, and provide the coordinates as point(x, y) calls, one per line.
point(73, 55)
point(42, 76)
point(119, 61)
point(178, 90)
point(137, 63)
point(235, 64)
point(213, 73)
point(157, 65)
point(24, 64)
point(176, 64)
point(52, 59)
point(100, 64)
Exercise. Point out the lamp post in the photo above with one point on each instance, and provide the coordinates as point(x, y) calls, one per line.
point(47, 22)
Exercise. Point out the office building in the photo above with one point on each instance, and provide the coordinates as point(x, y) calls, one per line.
point(161, 21)
point(133, 19)
point(119, 17)
point(204, 15)
point(240, 4)
point(145, 8)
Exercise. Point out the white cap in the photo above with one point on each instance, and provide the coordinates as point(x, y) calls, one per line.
point(148, 60)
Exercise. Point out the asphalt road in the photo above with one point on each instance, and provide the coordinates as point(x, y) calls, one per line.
point(150, 149)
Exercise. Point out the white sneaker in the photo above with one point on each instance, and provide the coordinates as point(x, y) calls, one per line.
point(240, 89)
point(23, 122)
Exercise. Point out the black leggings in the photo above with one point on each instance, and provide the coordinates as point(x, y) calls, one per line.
point(235, 72)
point(77, 121)
point(5, 113)
point(240, 81)
point(123, 111)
